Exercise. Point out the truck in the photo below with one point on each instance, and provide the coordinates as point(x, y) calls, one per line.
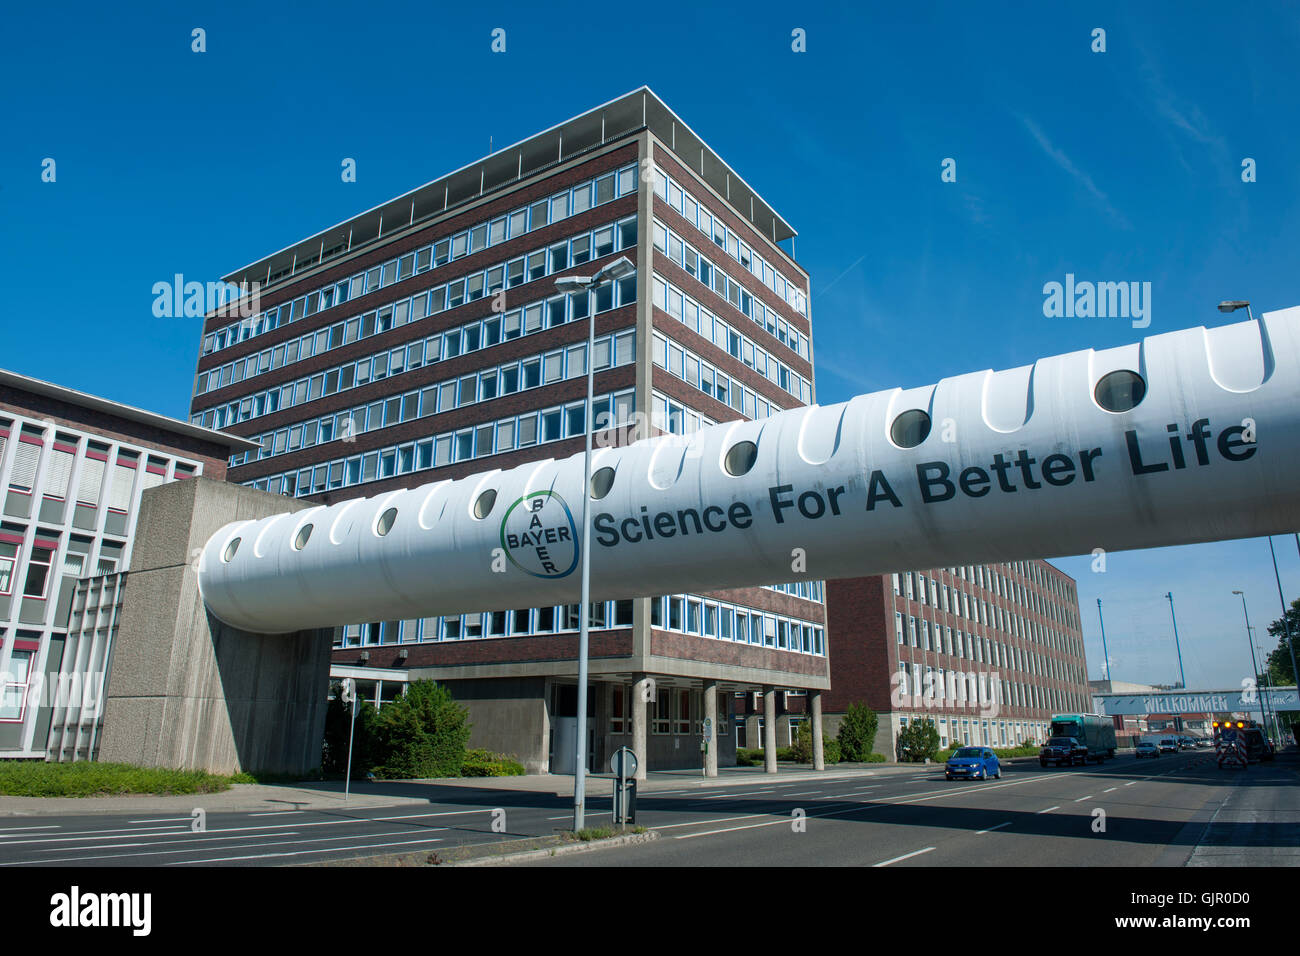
point(1094, 731)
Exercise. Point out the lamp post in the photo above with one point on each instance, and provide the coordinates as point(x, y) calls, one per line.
point(1181, 676)
point(620, 268)
point(1105, 655)
point(1232, 305)
point(1286, 621)
point(1250, 644)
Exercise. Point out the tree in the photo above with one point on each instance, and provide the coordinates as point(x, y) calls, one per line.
point(802, 745)
point(919, 740)
point(423, 733)
point(1278, 663)
point(857, 734)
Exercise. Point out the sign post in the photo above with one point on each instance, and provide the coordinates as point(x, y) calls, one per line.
point(349, 695)
point(624, 764)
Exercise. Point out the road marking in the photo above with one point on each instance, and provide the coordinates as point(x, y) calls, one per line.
point(569, 816)
point(809, 793)
point(52, 826)
point(1109, 789)
point(991, 829)
point(330, 849)
point(1050, 809)
point(905, 856)
point(1081, 799)
point(165, 820)
point(277, 813)
point(1130, 783)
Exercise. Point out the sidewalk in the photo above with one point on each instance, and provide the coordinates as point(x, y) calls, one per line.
point(328, 795)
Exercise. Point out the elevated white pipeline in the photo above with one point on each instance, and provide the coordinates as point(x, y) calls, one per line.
point(1023, 463)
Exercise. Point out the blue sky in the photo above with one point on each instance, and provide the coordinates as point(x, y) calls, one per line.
point(1122, 165)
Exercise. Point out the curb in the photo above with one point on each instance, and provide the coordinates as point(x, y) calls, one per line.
point(546, 853)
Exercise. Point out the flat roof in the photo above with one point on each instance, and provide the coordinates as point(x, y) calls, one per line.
point(635, 111)
point(127, 412)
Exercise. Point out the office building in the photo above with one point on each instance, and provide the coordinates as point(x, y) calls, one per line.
point(425, 339)
point(72, 470)
point(987, 652)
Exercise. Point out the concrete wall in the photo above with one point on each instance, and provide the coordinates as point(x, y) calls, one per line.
point(507, 716)
point(186, 690)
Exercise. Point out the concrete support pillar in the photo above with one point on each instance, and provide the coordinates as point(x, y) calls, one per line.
point(819, 756)
point(641, 692)
point(711, 721)
point(769, 728)
point(187, 690)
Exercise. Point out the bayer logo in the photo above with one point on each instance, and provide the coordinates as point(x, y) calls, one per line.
point(539, 535)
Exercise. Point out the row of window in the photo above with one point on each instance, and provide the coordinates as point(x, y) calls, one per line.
point(684, 309)
point(964, 687)
point(571, 202)
point(491, 438)
point(697, 215)
point(685, 365)
point(668, 416)
point(996, 733)
point(520, 375)
point(808, 590)
point(964, 604)
point(462, 340)
point(684, 255)
point(576, 250)
point(993, 579)
point(686, 614)
point(962, 644)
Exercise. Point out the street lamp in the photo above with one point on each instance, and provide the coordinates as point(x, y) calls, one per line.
point(1181, 675)
point(620, 268)
point(1286, 621)
point(1104, 653)
point(1250, 644)
point(1232, 305)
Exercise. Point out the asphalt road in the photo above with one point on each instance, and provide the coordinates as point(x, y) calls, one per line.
point(1171, 811)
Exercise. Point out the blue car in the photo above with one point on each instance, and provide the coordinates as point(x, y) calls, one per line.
point(973, 763)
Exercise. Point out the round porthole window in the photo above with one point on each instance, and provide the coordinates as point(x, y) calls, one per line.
point(601, 482)
point(230, 550)
point(910, 428)
point(386, 522)
point(483, 506)
point(1120, 391)
point(741, 458)
point(303, 536)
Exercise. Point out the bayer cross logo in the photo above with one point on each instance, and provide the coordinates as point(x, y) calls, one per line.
point(539, 535)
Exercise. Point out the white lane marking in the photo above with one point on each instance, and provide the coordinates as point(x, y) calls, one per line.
point(905, 856)
point(808, 793)
point(569, 816)
point(1081, 799)
point(277, 813)
point(85, 836)
point(16, 829)
point(164, 820)
point(259, 843)
point(1109, 789)
point(328, 849)
point(1130, 783)
point(1050, 809)
point(991, 829)
point(167, 831)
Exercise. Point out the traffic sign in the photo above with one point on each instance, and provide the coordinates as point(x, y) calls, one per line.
point(623, 763)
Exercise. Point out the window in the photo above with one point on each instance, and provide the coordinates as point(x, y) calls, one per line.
point(8, 559)
point(13, 692)
point(38, 572)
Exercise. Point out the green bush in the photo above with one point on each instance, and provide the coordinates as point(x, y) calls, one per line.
point(803, 741)
point(484, 763)
point(857, 734)
point(918, 741)
point(422, 734)
point(36, 778)
point(748, 757)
